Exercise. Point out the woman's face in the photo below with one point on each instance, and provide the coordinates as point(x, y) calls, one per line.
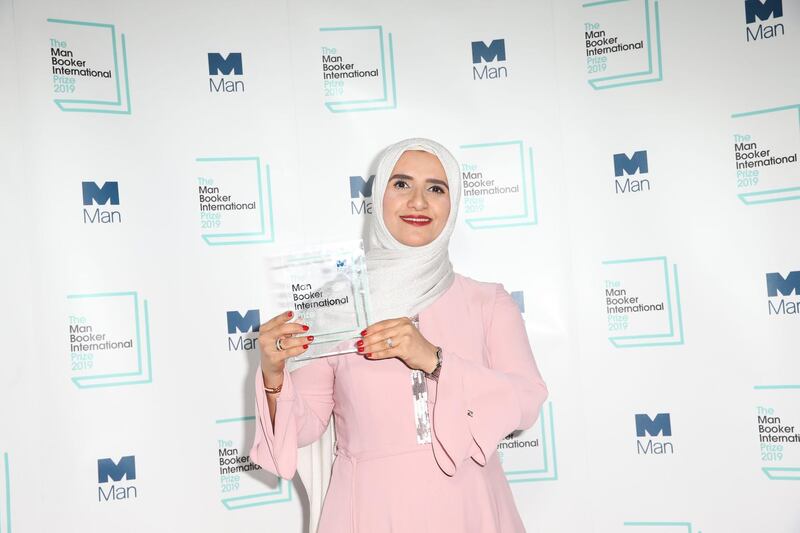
point(416, 203)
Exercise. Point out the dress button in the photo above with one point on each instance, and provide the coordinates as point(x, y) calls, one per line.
point(469, 412)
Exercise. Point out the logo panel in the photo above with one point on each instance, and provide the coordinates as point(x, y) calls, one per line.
point(761, 19)
point(114, 479)
point(643, 305)
point(98, 202)
point(224, 72)
point(235, 201)
point(629, 172)
point(777, 424)
point(653, 434)
point(498, 184)
point(783, 293)
point(358, 69)
point(89, 67)
point(489, 60)
point(765, 146)
point(242, 483)
point(622, 43)
point(108, 339)
point(243, 330)
point(361, 195)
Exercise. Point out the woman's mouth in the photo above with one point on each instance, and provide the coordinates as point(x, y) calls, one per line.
point(416, 220)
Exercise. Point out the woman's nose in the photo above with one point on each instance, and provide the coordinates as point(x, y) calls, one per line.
point(417, 200)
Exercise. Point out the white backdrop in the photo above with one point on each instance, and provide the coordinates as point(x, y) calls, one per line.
point(600, 170)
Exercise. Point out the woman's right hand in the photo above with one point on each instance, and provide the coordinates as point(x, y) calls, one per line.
point(273, 360)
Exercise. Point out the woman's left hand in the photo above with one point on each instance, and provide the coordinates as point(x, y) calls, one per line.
point(407, 344)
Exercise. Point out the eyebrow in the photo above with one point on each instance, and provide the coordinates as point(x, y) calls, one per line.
point(435, 181)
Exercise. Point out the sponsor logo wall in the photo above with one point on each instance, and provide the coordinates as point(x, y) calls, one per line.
point(634, 189)
point(89, 74)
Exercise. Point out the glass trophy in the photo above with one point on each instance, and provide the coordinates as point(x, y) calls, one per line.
point(327, 289)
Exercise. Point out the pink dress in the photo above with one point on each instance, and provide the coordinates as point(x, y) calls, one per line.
point(382, 480)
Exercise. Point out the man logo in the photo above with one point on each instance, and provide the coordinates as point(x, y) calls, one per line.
point(762, 10)
point(247, 323)
point(630, 165)
point(108, 194)
point(786, 286)
point(496, 51)
point(219, 65)
point(755, 9)
point(660, 425)
point(107, 468)
point(232, 64)
point(251, 321)
point(636, 164)
point(361, 188)
point(100, 195)
point(360, 191)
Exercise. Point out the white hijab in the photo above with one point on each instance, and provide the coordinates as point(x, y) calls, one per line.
point(403, 280)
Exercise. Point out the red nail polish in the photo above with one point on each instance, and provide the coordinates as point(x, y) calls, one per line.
point(363, 333)
point(360, 349)
point(305, 328)
point(305, 346)
point(369, 355)
point(310, 337)
point(360, 343)
point(290, 314)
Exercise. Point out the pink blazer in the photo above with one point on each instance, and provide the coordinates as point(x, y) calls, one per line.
point(489, 386)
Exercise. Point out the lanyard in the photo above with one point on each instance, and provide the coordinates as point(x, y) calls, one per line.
point(419, 390)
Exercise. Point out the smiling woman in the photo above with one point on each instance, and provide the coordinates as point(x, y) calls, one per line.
point(441, 377)
point(416, 204)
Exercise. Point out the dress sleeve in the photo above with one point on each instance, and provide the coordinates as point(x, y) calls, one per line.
point(302, 413)
point(476, 406)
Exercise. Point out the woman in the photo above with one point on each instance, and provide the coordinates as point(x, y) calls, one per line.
point(397, 469)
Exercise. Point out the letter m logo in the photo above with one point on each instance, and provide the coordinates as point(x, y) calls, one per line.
point(762, 10)
point(359, 187)
point(251, 321)
point(630, 165)
point(786, 286)
point(107, 468)
point(100, 195)
point(496, 51)
point(653, 426)
point(219, 65)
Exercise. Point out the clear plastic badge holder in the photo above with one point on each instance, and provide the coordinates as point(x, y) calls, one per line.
point(327, 289)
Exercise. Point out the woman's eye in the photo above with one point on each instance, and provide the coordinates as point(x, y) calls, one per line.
point(400, 184)
point(437, 189)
